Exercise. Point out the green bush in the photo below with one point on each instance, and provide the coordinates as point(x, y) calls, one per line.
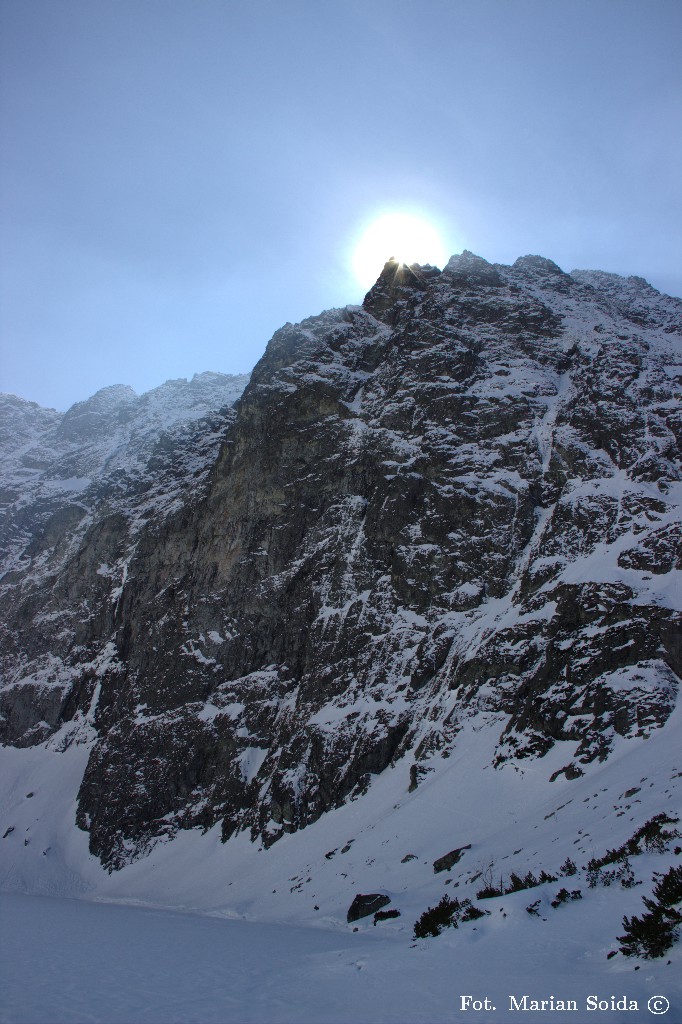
point(652, 934)
point(446, 914)
point(433, 920)
point(516, 883)
point(472, 912)
point(598, 875)
point(668, 890)
point(385, 915)
point(488, 892)
point(563, 896)
point(653, 834)
point(529, 881)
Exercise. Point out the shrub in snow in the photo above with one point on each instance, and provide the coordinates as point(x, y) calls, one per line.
point(563, 896)
point(471, 911)
point(516, 884)
point(597, 874)
point(653, 834)
point(385, 915)
point(530, 881)
point(446, 914)
point(652, 934)
point(489, 891)
point(626, 875)
point(433, 920)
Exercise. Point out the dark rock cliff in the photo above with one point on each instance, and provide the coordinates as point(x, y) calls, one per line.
point(460, 500)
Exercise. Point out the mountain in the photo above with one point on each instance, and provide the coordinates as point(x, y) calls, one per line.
point(413, 597)
point(93, 478)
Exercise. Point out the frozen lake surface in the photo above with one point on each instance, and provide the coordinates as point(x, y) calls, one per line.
point(75, 961)
point(70, 960)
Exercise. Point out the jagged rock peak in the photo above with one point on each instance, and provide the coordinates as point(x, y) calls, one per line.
point(608, 281)
point(538, 264)
point(469, 269)
point(20, 420)
point(541, 272)
point(112, 407)
point(10, 401)
point(105, 399)
point(96, 413)
point(395, 283)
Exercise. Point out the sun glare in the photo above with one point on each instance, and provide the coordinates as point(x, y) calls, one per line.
point(403, 236)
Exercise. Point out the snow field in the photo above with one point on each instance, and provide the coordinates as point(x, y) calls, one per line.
point(251, 946)
point(71, 962)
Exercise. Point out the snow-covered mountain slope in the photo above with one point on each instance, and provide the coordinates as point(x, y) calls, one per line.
point(424, 601)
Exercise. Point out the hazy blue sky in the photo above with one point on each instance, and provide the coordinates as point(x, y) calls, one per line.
point(181, 177)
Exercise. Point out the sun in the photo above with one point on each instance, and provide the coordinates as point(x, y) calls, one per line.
point(406, 237)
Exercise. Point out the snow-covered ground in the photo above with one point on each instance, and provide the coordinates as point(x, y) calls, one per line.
point(262, 934)
point(73, 961)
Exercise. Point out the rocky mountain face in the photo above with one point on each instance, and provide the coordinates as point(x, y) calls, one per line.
point(76, 491)
point(457, 505)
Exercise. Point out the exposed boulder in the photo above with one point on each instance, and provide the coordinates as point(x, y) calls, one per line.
point(449, 860)
point(366, 905)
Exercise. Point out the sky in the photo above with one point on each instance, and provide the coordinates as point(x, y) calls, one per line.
point(178, 178)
